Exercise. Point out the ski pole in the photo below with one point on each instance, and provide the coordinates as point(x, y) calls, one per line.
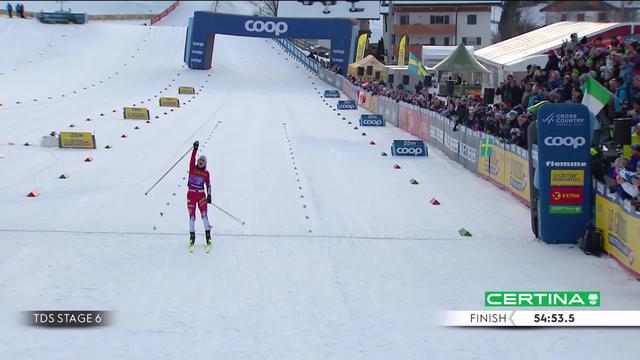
point(165, 174)
point(231, 216)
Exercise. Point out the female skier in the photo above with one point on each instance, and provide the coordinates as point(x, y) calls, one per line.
point(198, 178)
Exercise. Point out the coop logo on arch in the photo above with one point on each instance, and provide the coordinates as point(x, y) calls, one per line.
point(277, 28)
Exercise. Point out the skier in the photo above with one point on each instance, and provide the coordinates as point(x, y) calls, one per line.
point(198, 179)
point(10, 10)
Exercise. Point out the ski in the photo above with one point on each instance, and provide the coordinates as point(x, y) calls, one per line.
point(208, 247)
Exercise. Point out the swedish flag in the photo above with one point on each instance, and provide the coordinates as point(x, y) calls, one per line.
point(486, 147)
point(415, 66)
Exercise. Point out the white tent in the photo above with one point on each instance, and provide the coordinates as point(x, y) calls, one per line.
point(431, 55)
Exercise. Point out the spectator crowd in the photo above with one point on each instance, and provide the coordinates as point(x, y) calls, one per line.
point(612, 62)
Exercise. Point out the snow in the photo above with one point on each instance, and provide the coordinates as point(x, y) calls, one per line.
point(364, 277)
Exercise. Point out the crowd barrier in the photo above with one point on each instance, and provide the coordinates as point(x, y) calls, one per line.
point(298, 54)
point(620, 225)
point(165, 13)
point(504, 165)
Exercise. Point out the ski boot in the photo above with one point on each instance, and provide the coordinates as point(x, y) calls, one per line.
point(192, 241)
point(207, 235)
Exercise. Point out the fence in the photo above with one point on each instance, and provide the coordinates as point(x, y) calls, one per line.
point(504, 165)
point(300, 56)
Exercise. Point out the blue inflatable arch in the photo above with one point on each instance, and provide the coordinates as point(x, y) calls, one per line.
point(204, 25)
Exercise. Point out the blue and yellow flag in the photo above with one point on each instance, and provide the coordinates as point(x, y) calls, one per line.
point(486, 147)
point(416, 67)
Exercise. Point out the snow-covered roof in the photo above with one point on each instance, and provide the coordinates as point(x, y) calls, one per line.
point(539, 41)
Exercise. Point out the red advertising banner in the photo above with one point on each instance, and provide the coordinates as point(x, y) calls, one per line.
point(562, 195)
point(413, 122)
point(424, 126)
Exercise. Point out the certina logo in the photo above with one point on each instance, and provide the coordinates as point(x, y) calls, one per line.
point(574, 142)
point(563, 119)
point(412, 151)
point(266, 26)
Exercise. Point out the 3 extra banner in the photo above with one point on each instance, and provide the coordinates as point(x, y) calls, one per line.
point(564, 172)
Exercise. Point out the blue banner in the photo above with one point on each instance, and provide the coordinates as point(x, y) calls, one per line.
point(372, 120)
point(347, 105)
point(331, 93)
point(564, 173)
point(206, 25)
point(409, 148)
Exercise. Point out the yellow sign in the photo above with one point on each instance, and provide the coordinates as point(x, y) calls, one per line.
point(567, 177)
point(401, 51)
point(621, 232)
point(517, 176)
point(171, 102)
point(77, 140)
point(497, 164)
point(186, 90)
point(362, 42)
point(136, 113)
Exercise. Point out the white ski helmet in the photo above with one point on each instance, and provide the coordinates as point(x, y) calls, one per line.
point(203, 158)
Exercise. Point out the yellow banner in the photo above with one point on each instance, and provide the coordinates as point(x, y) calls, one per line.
point(497, 164)
point(171, 102)
point(362, 42)
point(186, 90)
point(517, 175)
point(621, 232)
point(136, 113)
point(567, 177)
point(401, 51)
point(77, 140)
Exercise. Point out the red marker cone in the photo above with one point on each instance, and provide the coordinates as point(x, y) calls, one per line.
point(88, 159)
point(434, 201)
point(33, 194)
point(396, 166)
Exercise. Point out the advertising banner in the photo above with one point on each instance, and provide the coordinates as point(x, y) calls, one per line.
point(205, 25)
point(347, 105)
point(331, 94)
point(389, 109)
point(77, 140)
point(136, 113)
point(517, 172)
point(424, 125)
point(621, 229)
point(186, 90)
point(409, 148)
point(371, 120)
point(469, 149)
point(169, 102)
point(372, 103)
point(563, 166)
point(436, 130)
point(451, 141)
point(497, 164)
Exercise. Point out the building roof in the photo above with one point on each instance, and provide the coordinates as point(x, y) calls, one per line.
point(539, 41)
point(571, 6)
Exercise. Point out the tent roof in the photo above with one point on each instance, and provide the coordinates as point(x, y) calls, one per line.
point(369, 60)
point(539, 41)
point(460, 61)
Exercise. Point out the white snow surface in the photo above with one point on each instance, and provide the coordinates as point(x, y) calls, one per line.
point(340, 258)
